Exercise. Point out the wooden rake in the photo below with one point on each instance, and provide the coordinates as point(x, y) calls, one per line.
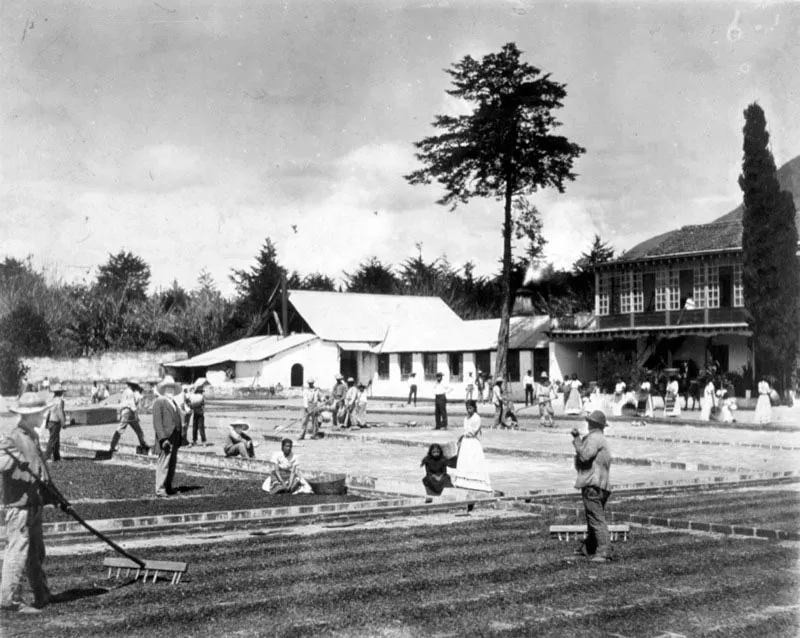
point(129, 562)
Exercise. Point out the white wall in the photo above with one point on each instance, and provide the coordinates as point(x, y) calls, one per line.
point(109, 366)
point(320, 360)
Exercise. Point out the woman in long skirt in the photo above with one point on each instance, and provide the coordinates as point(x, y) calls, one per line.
point(619, 397)
point(708, 402)
point(574, 404)
point(763, 405)
point(471, 471)
point(672, 403)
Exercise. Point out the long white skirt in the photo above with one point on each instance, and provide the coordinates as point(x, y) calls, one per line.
point(763, 409)
point(706, 403)
point(471, 471)
point(574, 404)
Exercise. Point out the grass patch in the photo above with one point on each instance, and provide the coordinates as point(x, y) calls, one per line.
point(105, 489)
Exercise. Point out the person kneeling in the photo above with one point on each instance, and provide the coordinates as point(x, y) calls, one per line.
point(436, 476)
point(239, 443)
point(285, 478)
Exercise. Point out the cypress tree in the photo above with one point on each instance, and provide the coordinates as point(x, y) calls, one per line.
point(770, 268)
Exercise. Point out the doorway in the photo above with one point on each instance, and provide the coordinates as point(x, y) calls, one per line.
point(297, 376)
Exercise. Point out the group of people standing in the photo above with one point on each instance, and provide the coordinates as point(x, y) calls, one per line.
point(345, 406)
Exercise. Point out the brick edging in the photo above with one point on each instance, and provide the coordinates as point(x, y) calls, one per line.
point(671, 523)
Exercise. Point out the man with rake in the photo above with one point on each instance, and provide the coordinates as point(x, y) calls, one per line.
point(20, 460)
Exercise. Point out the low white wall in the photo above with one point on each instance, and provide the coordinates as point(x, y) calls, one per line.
point(109, 366)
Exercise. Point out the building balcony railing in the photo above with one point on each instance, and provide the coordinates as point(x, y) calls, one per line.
point(667, 318)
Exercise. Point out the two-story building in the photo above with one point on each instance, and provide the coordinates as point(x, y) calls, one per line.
point(672, 298)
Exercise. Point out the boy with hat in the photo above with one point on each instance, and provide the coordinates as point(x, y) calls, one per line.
point(337, 395)
point(167, 424)
point(128, 415)
point(593, 462)
point(238, 443)
point(56, 419)
point(311, 401)
point(21, 460)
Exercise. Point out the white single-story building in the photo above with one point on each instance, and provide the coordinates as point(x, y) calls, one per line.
point(380, 339)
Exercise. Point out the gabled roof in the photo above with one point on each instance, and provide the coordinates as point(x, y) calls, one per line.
point(525, 333)
point(722, 234)
point(249, 349)
point(349, 316)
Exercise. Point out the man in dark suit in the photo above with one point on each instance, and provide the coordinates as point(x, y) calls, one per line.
point(167, 423)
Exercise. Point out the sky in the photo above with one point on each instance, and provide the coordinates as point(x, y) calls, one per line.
point(189, 132)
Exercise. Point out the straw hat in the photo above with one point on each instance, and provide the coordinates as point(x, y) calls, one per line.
point(29, 403)
point(597, 418)
point(57, 387)
point(339, 377)
point(134, 386)
point(168, 383)
point(350, 380)
point(240, 424)
point(543, 375)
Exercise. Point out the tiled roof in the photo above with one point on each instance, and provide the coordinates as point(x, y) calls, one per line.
point(724, 233)
point(525, 333)
point(249, 349)
point(348, 316)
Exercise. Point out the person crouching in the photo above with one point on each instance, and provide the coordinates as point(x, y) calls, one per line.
point(593, 462)
point(238, 442)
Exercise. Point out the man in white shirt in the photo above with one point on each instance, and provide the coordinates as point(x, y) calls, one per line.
point(527, 381)
point(440, 391)
point(311, 401)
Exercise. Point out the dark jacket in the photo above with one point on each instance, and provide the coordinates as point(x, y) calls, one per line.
point(167, 417)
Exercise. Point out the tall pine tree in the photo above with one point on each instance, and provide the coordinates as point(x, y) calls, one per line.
point(770, 271)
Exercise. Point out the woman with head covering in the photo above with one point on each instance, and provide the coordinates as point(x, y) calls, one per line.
point(572, 389)
point(436, 476)
point(285, 477)
point(672, 403)
point(471, 471)
point(709, 400)
point(763, 413)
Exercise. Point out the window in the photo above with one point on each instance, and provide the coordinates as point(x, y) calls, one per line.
point(383, 366)
point(637, 296)
point(456, 369)
point(406, 365)
point(738, 286)
point(603, 293)
point(429, 362)
point(625, 297)
point(649, 291)
point(726, 286)
point(616, 285)
point(483, 362)
point(662, 289)
point(513, 365)
point(686, 286)
point(712, 286)
point(699, 289)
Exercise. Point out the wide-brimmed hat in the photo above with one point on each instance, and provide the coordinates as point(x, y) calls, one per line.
point(350, 380)
point(57, 387)
point(498, 380)
point(168, 383)
point(597, 418)
point(29, 403)
point(134, 386)
point(543, 375)
point(200, 382)
point(240, 424)
point(339, 377)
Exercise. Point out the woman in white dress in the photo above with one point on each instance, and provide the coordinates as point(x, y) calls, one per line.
point(708, 402)
point(471, 471)
point(286, 477)
point(619, 397)
point(763, 405)
point(574, 404)
point(672, 402)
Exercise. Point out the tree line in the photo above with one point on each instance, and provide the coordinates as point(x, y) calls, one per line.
point(41, 315)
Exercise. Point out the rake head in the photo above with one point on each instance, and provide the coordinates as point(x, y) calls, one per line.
point(152, 569)
point(568, 532)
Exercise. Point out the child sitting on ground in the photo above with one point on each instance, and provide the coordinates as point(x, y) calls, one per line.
point(238, 443)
